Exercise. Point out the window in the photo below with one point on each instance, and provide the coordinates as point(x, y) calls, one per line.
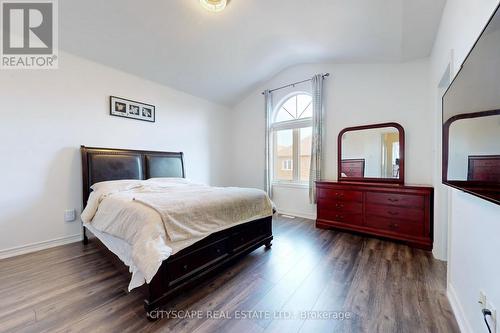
point(286, 165)
point(291, 137)
point(283, 154)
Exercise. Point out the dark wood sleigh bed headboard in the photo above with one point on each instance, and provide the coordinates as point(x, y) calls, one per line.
point(102, 164)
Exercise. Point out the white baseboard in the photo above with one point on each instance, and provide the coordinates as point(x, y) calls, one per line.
point(16, 251)
point(458, 310)
point(438, 254)
point(310, 216)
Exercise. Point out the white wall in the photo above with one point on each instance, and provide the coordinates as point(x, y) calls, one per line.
point(47, 115)
point(355, 94)
point(474, 223)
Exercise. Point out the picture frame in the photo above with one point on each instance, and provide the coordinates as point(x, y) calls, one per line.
point(126, 108)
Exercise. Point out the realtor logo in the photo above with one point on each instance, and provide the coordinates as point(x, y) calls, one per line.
point(29, 34)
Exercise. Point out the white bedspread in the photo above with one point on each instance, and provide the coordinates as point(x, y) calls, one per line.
point(159, 217)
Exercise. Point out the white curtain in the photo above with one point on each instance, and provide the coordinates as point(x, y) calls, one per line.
point(317, 135)
point(268, 168)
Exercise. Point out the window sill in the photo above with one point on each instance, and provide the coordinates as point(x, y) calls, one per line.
point(291, 185)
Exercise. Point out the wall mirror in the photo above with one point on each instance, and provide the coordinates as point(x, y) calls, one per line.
point(372, 153)
point(471, 119)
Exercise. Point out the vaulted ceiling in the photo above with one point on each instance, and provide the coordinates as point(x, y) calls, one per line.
point(221, 57)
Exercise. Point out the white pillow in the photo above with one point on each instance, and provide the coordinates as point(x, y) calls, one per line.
point(167, 182)
point(116, 185)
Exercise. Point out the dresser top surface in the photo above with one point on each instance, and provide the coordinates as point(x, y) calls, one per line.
point(373, 185)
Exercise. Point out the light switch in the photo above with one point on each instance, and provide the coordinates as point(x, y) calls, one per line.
point(69, 215)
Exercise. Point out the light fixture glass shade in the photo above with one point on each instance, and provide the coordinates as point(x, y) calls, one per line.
point(214, 5)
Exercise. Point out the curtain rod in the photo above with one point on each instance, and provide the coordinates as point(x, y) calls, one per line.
point(293, 84)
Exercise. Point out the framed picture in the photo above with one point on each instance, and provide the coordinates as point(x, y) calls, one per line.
point(122, 107)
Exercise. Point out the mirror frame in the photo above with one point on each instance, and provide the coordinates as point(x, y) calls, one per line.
point(400, 180)
point(473, 187)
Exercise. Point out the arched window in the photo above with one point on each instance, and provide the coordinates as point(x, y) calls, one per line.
point(291, 139)
point(296, 107)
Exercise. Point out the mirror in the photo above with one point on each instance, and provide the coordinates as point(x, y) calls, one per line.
point(471, 119)
point(373, 153)
point(475, 146)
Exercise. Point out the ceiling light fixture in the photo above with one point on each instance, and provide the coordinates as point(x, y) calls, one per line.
point(214, 5)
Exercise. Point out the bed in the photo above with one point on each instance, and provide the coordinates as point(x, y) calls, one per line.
point(484, 168)
point(187, 267)
point(354, 167)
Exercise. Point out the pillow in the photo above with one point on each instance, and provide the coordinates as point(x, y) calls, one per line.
point(116, 185)
point(167, 181)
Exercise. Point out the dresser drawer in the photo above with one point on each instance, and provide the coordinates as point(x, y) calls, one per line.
point(403, 227)
point(403, 200)
point(341, 206)
point(189, 264)
point(248, 235)
point(343, 195)
point(349, 218)
point(395, 213)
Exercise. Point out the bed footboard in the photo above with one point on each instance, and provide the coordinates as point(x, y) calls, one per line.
point(190, 266)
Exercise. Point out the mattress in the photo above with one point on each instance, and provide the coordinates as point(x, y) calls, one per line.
point(145, 222)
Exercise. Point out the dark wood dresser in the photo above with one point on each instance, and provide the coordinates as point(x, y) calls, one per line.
point(398, 212)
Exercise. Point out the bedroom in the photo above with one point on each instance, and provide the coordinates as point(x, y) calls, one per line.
point(197, 78)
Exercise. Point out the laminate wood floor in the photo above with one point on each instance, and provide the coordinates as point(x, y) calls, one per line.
point(309, 273)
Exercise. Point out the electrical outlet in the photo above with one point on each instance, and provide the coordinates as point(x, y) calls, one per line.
point(482, 299)
point(493, 319)
point(69, 215)
point(485, 304)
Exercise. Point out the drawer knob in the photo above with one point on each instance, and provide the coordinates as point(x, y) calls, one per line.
point(185, 267)
point(339, 205)
point(394, 225)
point(340, 195)
point(392, 213)
point(218, 250)
point(393, 199)
point(339, 217)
